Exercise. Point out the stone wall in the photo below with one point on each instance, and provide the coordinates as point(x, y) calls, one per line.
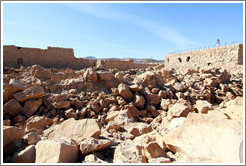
point(228, 57)
point(57, 57)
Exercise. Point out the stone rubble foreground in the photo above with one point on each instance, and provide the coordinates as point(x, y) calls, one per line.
point(93, 115)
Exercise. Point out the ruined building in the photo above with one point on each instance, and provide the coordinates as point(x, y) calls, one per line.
point(228, 57)
point(57, 57)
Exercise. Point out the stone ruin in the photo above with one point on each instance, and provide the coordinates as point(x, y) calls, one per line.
point(58, 58)
point(97, 114)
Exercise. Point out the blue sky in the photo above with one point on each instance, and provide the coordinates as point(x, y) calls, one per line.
point(121, 30)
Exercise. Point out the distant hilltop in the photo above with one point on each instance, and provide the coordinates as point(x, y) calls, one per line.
point(139, 60)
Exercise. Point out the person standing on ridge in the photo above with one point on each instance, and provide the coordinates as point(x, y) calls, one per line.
point(218, 42)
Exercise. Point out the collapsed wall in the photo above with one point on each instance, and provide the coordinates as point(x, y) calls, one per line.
point(228, 57)
point(59, 58)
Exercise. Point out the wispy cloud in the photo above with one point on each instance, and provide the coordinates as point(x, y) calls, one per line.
point(104, 45)
point(25, 26)
point(164, 32)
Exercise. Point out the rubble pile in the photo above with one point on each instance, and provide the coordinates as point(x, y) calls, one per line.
point(95, 115)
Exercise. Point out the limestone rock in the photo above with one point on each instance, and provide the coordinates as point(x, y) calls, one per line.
point(179, 87)
point(31, 107)
point(138, 128)
point(178, 110)
point(203, 106)
point(61, 104)
point(125, 92)
point(75, 129)
point(27, 155)
point(105, 76)
point(89, 145)
point(128, 152)
point(92, 158)
point(165, 104)
point(37, 122)
point(29, 93)
point(215, 138)
point(13, 87)
point(139, 101)
point(70, 113)
point(153, 150)
point(151, 97)
point(12, 107)
point(32, 138)
point(234, 109)
point(90, 75)
point(51, 151)
point(11, 133)
point(159, 160)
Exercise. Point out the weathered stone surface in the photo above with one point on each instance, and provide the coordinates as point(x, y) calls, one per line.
point(92, 158)
point(29, 93)
point(151, 97)
point(70, 113)
point(89, 145)
point(165, 104)
point(139, 101)
point(75, 129)
point(11, 133)
point(32, 138)
point(19, 119)
point(31, 107)
point(153, 150)
point(38, 122)
point(203, 106)
point(90, 75)
point(27, 155)
point(209, 133)
point(128, 152)
point(179, 87)
point(159, 160)
point(13, 87)
point(105, 76)
point(176, 122)
point(12, 107)
point(61, 104)
point(51, 151)
point(178, 110)
point(125, 92)
point(138, 128)
point(234, 109)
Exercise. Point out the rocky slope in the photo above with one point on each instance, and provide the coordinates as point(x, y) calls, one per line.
point(95, 115)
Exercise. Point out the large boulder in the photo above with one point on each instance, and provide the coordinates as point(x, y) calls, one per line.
point(178, 110)
point(125, 92)
point(12, 107)
point(139, 101)
point(234, 109)
point(105, 76)
point(151, 97)
point(29, 93)
point(31, 107)
point(12, 87)
point(138, 128)
point(53, 151)
point(37, 122)
point(203, 106)
point(75, 129)
point(207, 137)
point(10, 134)
point(91, 144)
point(128, 152)
point(40, 72)
point(90, 75)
